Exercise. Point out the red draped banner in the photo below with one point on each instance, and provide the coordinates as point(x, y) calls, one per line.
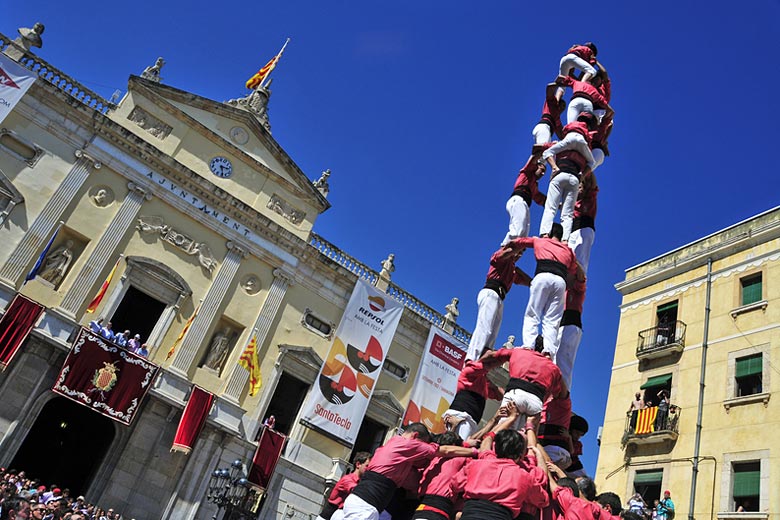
point(192, 419)
point(106, 378)
point(269, 449)
point(15, 325)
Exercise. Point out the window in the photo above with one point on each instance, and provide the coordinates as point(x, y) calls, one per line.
point(666, 323)
point(748, 375)
point(396, 370)
point(648, 484)
point(746, 486)
point(653, 386)
point(286, 402)
point(751, 289)
point(370, 436)
point(19, 147)
point(317, 325)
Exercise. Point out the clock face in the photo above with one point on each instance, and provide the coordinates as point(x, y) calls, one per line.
point(221, 167)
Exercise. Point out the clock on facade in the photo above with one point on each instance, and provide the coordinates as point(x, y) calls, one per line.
point(221, 167)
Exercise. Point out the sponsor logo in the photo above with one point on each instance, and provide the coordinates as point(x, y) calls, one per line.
point(6, 80)
point(333, 417)
point(370, 315)
point(376, 303)
point(447, 352)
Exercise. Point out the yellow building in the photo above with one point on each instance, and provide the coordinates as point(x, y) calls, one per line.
point(203, 211)
point(701, 322)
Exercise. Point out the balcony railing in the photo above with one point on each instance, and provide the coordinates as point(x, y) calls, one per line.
point(364, 272)
point(661, 340)
point(651, 425)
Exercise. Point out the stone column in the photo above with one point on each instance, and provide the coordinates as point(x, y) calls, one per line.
point(194, 338)
point(104, 250)
point(239, 376)
point(41, 229)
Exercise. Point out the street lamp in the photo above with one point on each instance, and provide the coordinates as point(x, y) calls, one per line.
point(228, 488)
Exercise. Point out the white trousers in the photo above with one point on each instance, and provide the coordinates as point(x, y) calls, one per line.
point(465, 427)
point(572, 61)
point(338, 514)
point(563, 187)
point(598, 158)
point(581, 242)
point(490, 311)
point(570, 337)
point(558, 456)
point(545, 306)
point(527, 405)
point(355, 508)
point(542, 133)
point(519, 218)
point(577, 106)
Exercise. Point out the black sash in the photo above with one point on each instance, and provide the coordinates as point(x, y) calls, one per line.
point(583, 221)
point(376, 489)
point(526, 386)
point(523, 192)
point(551, 266)
point(470, 402)
point(496, 286)
point(571, 317)
point(475, 509)
point(328, 510)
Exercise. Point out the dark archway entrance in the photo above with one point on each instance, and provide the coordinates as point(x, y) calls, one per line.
point(66, 445)
point(137, 313)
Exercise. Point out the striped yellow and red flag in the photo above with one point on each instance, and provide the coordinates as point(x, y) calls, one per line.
point(249, 361)
point(183, 332)
point(260, 76)
point(103, 288)
point(645, 420)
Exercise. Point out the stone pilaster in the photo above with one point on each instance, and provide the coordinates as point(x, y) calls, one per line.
point(239, 376)
point(185, 354)
point(41, 229)
point(104, 250)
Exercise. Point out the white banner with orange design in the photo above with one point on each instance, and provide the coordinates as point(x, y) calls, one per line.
point(14, 82)
point(339, 398)
point(437, 380)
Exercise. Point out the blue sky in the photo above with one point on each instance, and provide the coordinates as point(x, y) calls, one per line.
point(424, 115)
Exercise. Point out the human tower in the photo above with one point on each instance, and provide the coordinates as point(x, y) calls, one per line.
point(522, 462)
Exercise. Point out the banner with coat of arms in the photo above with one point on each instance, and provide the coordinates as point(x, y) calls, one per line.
point(105, 377)
point(338, 400)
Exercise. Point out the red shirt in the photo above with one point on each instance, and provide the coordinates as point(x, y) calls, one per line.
point(400, 456)
point(587, 203)
point(575, 508)
point(503, 270)
point(551, 112)
point(437, 476)
point(474, 378)
point(527, 179)
point(500, 481)
point(531, 366)
point(580, 128)
point(557, 411)
point(343, 488)
point(575, 298)
point(550, 249)
point(584, 52)
point(606, 89)
point(584, 89)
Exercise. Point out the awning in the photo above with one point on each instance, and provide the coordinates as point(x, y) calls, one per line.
point(747, 483)
point(657, 381)
point(749, 366)
point(649, 477)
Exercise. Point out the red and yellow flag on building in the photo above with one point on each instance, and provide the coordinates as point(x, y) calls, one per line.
point(249, 361)
point(103, 288)
point(645, 420)
point(260, 76)
point(183, 332)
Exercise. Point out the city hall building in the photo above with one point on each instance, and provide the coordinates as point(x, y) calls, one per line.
point(207, 225)
point(700, 329)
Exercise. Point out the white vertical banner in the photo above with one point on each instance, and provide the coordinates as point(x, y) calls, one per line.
point(437, 380)
point(338, 401)
point(14, 82)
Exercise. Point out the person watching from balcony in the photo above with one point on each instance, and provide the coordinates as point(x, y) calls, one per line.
point(666, 506)
point(106, 331)
point(636, 405)
point(663, 411)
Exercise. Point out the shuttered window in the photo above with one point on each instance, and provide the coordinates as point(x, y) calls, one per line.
point(751, 289)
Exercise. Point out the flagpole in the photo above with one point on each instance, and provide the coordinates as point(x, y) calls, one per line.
point(278, 57)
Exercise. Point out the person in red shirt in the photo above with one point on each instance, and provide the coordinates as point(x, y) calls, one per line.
point(554, 430)
point(585, 98)
point(342, 489)
point(390, 468)
point(582, 57)
point(583, 232)
point(578, 427)
point(501, 275)
point(526, 189)
point(550, 123)
point(437, 499)
point(570, 330)
point(555, 262)
point(604, 85)
point(473, 390)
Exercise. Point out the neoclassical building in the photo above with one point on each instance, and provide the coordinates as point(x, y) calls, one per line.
point(203, 211)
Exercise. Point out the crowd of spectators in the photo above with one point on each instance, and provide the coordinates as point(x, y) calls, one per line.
point(125, 339)
point(23, 498)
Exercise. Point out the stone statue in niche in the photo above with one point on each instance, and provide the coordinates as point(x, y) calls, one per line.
point(218, 350)
point(56, 264)
point(452, 312)
point(103, 197)
point(153, 73)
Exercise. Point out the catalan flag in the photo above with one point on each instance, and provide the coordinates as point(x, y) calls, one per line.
point(256, 80)
point(183, 332)
point(103, 288)
point(249, 361)
point(645, 420)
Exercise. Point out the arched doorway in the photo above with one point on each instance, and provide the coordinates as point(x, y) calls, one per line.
point(65, 445)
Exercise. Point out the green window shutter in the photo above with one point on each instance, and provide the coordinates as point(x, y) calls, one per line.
point(666, 307)
point(657, 381)
point(747, 483)
point(648, 477)
point(751, 290)
point(749, 366)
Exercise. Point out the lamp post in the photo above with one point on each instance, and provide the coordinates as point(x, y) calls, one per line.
point(228, 488)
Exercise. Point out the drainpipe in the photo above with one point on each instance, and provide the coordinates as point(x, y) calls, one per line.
point(702, 371)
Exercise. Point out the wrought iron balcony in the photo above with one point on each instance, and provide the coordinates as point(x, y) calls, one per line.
point(661, 340)
point(651, 425)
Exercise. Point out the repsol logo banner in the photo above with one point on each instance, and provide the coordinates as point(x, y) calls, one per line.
point(14, 82)
point(337, 402)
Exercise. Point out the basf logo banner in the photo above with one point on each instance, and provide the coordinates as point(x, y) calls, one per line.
point(340, 396)
point(14, 82)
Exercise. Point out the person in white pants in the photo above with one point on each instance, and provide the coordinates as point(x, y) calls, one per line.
point(573, 156)
point(570, 331)
point(550, 122)
point(525, 191)
point(581, 57)
point(584, 225)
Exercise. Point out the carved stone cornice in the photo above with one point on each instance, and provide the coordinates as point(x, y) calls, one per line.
point(81, 154)
point(284, 275)
point(157, 225)
point(141, 190)
point(237, 248)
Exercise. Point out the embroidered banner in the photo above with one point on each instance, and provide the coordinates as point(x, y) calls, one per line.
point(15, 325)
point(106, 378)
point(269, 449)
point(645, 420)
point(338, 401)
point(14, 82)
point(437, 380)
point(192, 419)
